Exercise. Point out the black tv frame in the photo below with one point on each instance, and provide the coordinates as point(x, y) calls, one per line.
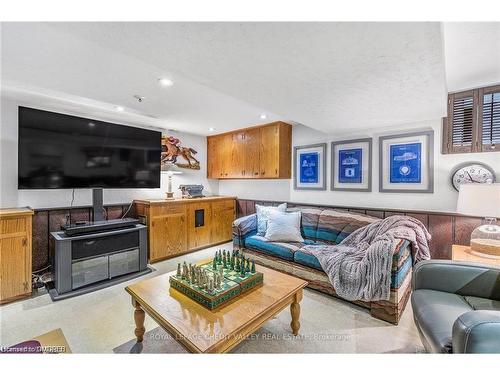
point(97, 190)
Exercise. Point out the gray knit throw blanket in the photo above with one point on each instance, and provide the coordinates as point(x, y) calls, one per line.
point(359, 268)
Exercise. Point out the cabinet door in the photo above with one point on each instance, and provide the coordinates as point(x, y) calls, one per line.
point(15, 274)
point(269, 151)
point(223, 215)
point(238, 154)
point(251, 153)
point(199, 221)
point(225, 155)
point(168, 235)
point(214, 164)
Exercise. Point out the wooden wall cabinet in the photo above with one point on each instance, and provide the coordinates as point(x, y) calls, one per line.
point(182, 225)
point(258, 152)
point(15, 253)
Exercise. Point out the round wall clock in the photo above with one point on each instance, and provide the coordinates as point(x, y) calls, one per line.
point(472, 173)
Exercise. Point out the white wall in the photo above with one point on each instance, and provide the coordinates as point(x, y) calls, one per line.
point(443, 199)
point(10, 196)
point(256, 189)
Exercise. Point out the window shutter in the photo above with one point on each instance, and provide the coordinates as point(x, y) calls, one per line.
point(462, 119)
point(489, 109)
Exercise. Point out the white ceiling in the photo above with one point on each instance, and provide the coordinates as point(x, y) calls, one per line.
point(472, 51)
point(334, 77)
point(48, 68)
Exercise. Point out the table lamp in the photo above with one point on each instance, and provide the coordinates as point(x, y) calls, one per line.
point(482, 200)
point(171, 169)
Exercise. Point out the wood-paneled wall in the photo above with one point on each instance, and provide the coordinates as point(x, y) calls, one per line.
point(46, 220)
point(446, 228)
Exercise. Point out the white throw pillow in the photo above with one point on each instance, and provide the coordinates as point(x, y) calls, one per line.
point(263, 214)
point(284, 227)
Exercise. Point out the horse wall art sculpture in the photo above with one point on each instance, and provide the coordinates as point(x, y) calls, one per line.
point(171, 150)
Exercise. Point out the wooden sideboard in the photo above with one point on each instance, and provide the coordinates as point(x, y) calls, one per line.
point(259, 152)
point(182, 225)
point(15, 253)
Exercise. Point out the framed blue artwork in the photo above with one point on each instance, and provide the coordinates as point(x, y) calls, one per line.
point(309, 168)
point(406, 163)
point(350, 165)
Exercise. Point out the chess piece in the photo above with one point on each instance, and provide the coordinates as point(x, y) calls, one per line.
point(253, 266)
point(214, 263)
point(242, 273)
point(183, 272)
point(203, 281)
point(247, 268)
point(237, 265)
point(179, 272)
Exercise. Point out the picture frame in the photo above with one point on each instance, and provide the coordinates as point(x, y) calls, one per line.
point(406, 163)
point(309, 167)
point(351, 165)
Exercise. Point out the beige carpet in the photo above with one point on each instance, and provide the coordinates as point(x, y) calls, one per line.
point(328, 325)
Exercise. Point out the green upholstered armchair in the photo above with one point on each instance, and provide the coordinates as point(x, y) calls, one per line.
point(456, 306)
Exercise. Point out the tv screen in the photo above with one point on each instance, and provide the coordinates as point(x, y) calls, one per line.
point(59, 151)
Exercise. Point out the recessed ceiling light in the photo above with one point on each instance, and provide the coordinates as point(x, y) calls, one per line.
point(165, 82)
point(119, 108)
point(263, 116)
point(211, 129)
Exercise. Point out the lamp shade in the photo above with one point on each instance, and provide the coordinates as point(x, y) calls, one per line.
point(171, 168)
point(479, 200)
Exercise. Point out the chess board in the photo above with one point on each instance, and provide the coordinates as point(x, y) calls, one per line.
point(232, 285)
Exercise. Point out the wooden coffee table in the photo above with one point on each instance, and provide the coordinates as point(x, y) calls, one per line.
point(201, 330)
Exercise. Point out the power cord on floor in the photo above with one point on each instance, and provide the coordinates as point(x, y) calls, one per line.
point(39, 279)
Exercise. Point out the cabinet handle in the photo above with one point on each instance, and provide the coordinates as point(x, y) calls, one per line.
point(25, 285)
point(89, 243)
point(25, 242)
point(276, 171)
point(263, 173)
point(256, 173)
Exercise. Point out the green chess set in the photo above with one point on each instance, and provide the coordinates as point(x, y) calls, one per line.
point(219, 281)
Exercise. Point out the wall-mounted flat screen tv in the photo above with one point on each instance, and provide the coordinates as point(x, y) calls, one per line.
point(58, 151)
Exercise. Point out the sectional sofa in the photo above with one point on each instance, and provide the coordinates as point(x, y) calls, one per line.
point(321, 226)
